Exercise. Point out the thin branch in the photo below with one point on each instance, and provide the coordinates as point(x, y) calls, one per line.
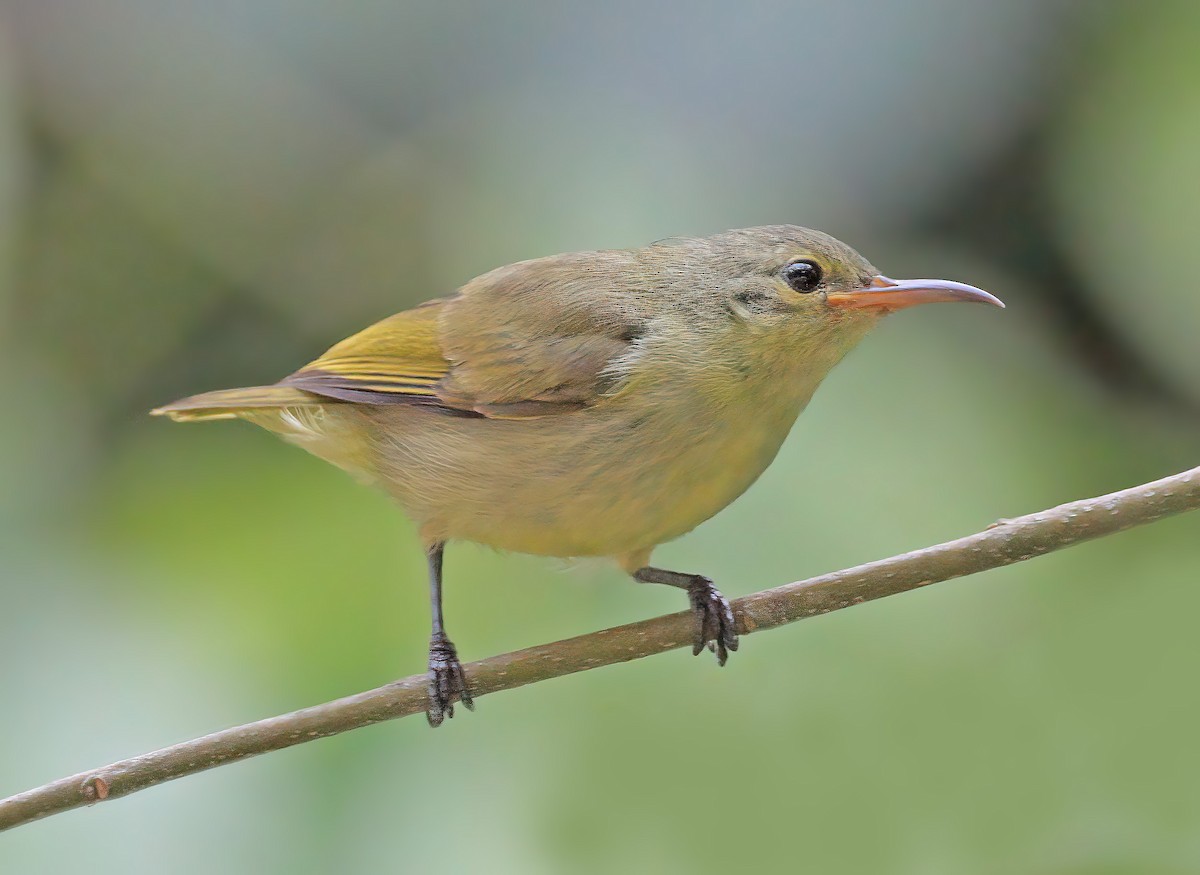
point(1003, 543)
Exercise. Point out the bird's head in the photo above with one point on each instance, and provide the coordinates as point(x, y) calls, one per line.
point(779, 299)
point(784, 274)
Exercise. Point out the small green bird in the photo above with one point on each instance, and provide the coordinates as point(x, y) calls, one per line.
point(586, 404)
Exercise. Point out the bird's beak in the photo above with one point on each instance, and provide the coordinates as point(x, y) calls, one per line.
point(887, 294)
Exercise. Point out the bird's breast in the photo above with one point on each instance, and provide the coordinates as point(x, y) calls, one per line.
point(631, 472)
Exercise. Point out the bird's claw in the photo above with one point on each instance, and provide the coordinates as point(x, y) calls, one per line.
point(714, 619)
point(446, 681)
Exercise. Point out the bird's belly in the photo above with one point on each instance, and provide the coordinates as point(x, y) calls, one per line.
point(592, 483)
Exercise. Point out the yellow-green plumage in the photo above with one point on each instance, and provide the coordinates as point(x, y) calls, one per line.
point(587, 404)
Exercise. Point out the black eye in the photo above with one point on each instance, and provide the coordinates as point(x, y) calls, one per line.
point(803, 276)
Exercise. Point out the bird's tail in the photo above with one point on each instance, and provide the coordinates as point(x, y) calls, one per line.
point(238, 403)
point(299, 417)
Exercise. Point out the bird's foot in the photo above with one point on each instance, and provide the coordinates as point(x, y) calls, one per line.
point(446, 681)
point(714, 619)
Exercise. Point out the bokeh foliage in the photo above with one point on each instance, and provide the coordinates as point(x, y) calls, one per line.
point(203, 194)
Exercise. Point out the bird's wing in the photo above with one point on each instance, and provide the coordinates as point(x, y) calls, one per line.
point(508, 346)
point(397, 360)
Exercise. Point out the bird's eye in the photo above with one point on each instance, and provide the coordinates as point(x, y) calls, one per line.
point(802, 276)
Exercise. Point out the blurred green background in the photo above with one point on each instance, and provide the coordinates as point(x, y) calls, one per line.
point(208, 193)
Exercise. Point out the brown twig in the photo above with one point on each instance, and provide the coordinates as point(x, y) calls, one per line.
point(1003, 543)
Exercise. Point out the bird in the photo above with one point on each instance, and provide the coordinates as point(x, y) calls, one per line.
point(587, 404)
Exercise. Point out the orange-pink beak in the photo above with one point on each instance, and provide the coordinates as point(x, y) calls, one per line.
point(887, 294)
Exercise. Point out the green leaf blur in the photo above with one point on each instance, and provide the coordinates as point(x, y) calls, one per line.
point(196, 195)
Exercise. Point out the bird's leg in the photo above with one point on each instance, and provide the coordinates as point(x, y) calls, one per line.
point(714, 617)
point(446, 679)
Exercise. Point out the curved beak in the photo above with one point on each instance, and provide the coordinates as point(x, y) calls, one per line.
point(888, 294)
